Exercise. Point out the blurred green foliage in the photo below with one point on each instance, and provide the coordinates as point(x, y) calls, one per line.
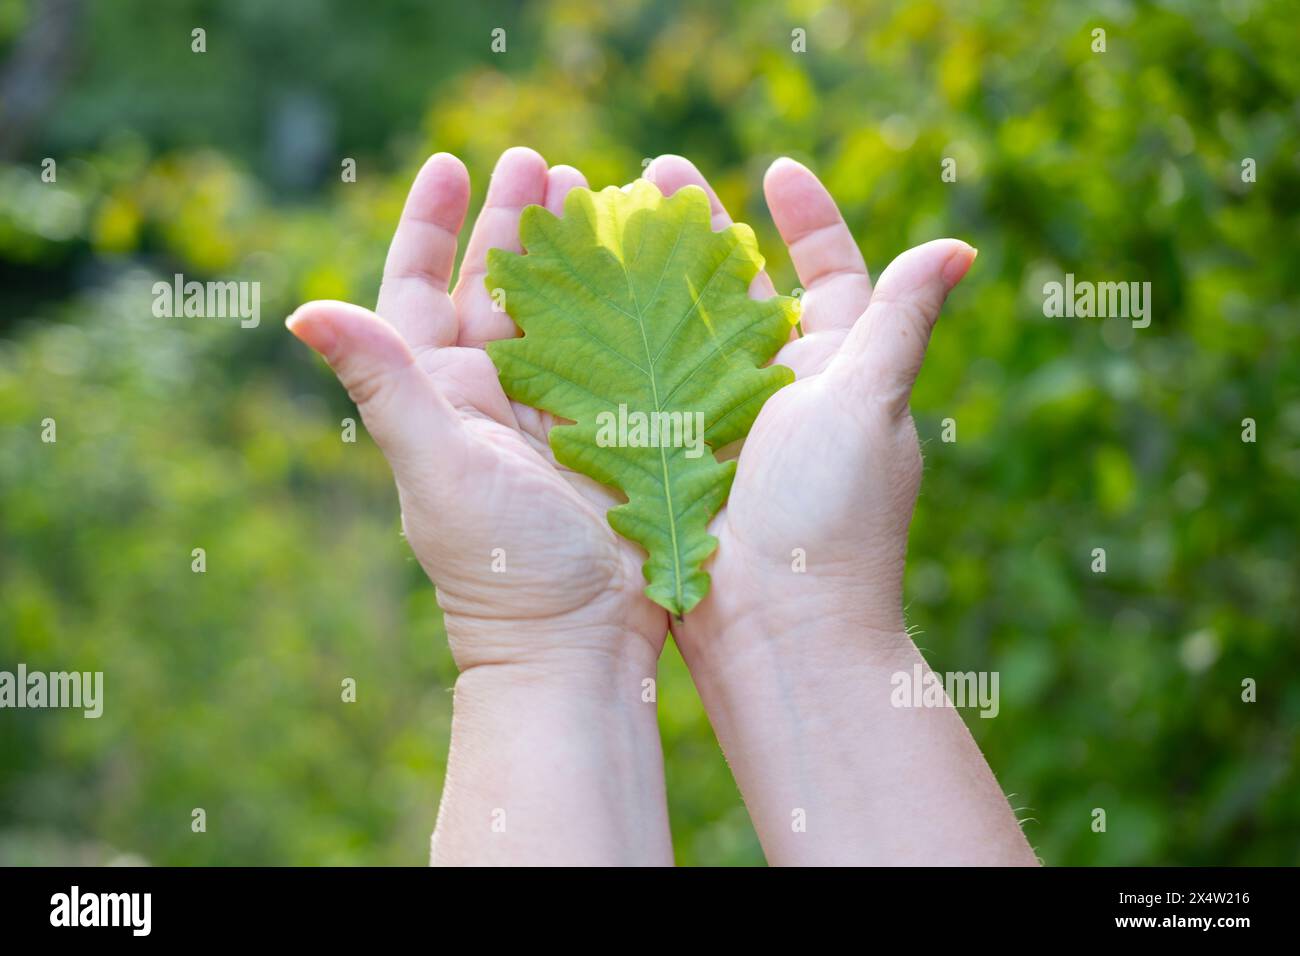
point(1119, 690)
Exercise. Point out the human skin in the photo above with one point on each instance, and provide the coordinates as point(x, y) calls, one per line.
point(794, 666)
point(555, 756)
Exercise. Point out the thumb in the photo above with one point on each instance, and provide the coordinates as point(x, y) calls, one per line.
point(883, 352)
point(410, 421)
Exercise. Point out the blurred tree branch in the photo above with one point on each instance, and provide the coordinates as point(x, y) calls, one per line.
point(40, 63)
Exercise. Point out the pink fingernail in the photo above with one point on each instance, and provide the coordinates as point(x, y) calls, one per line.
point(316, 335)
point(958, 264)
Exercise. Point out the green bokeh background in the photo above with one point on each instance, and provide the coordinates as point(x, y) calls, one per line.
point(1120, 690)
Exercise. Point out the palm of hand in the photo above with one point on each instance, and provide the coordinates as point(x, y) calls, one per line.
point(507, 534)
point(527, 537)
point(828, 476)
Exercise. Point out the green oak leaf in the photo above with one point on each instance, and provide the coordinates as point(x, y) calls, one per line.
point(638, 327)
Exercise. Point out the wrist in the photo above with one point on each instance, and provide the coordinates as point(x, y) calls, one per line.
point(792, 621)
point(555, 760)
point(571, 676)
point(809, 669)
point(790, 707)
point(596, 645)
point(832, 767)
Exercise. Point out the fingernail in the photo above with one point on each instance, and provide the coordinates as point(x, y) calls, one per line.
point(958, 264)
point(316, 335)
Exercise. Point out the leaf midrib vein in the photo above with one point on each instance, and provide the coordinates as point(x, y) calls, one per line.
point(654, 392)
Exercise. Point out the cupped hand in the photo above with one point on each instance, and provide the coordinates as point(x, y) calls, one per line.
point(816, 524)
point(525, 563)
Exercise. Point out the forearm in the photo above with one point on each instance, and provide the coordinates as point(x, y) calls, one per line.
point(554, 764)
point(831, 771)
